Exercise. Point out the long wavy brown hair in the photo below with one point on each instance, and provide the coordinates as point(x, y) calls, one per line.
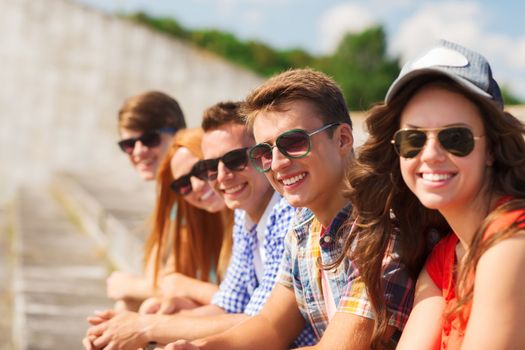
point(384, 204)
point(201, 241)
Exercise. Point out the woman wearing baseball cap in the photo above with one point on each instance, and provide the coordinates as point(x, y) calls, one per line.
point(442, 147)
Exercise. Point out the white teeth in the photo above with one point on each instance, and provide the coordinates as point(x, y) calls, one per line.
point(207, 195)
point(291, 180)
point(233, 189)
point(435, 177)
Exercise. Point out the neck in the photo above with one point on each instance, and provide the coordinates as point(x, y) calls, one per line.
point(256, 213)
point(466, 220)
point(327, 206)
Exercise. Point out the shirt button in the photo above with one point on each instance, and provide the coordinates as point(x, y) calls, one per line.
point(327, 239)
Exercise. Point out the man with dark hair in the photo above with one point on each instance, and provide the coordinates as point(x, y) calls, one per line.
point(305, 143)
point(262, 219)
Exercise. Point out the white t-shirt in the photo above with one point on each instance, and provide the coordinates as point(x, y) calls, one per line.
point(259, 257)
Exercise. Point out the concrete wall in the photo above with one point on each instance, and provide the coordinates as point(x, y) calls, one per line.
point(65, 70)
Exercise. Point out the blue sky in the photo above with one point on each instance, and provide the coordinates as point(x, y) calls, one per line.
point(495, 28)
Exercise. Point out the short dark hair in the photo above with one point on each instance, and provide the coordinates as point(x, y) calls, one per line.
point(222, 113)
point(294, 85)
point(151, 110)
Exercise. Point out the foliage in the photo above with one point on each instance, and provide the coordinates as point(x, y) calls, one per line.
point(360, 63)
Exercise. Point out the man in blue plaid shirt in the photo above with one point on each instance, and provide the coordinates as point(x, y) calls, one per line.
point(262, 220)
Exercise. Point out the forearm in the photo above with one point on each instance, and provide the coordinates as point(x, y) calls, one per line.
point(168, 328)
point(254, 334)
point(199, 291)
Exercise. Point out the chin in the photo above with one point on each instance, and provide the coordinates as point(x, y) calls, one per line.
point(147, 176)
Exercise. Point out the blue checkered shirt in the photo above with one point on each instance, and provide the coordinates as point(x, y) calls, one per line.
point(241, 291)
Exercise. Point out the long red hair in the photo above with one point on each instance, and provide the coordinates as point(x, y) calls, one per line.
point(200, 241)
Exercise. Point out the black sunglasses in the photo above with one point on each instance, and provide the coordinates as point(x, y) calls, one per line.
point(458, 141)
point(293, 143)
point(235, 160)
point(150, 139)
point(182, 184)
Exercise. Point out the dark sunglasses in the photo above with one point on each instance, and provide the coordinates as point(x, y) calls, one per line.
point(458, 141)
point(182, 184)
point(293, 143)
point(235, 160)
point(150, 139)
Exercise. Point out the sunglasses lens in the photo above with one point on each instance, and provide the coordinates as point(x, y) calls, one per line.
point(212, 168)
point(199, 170)
point(235, 160)
point(182, 185)
point(457, 141)
point(150, 139)
point(408, 143)
point(261, 157)
point(127, 145)
point(294, 144)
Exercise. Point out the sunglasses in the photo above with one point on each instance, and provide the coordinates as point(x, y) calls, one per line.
point(182, 184)
point(235, 160)
point(293, 143)
point(458, 141)
point(150, 139)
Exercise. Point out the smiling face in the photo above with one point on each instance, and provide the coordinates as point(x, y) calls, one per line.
point(202, 196)
point(316, 180)
point(439, 179)
point(246, 189)
point(146, 159)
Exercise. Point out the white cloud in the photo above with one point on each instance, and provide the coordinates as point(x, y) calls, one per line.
point(465, 23)
point(341, 19)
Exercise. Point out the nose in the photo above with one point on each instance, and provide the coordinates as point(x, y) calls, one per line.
point(432, 150)
point(279, 161)
point(139, 148)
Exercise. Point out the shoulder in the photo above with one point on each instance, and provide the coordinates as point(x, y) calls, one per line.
point(506, 220)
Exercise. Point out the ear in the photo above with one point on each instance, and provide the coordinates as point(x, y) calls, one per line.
point(345, 139)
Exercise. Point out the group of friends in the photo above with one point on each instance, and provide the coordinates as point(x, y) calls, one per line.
point(271, 232)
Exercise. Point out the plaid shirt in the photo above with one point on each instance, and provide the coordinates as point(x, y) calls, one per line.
point(241, 291)
point(300, 271)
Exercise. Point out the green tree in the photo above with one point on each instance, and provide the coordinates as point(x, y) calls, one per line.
point(361, 67)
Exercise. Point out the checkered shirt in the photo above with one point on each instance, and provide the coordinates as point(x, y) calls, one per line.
point(304, 245)
point(241, 291)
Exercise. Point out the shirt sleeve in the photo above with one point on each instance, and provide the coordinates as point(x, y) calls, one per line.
point(233, 294)
point(277, 227)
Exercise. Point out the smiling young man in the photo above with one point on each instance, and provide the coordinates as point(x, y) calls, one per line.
point(305, 143)
point(262, 219)
point(146, 124)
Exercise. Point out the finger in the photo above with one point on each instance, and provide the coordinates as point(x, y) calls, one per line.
point(106, 314)
point(95, 320)
point(87, 344)
point(97, 330)
point(103, 342)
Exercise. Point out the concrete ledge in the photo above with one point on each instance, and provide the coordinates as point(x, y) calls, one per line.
point(122, 246)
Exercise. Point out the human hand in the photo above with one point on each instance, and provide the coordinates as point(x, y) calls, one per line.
point(150, 306)
point(101, 316)
point(125, 331)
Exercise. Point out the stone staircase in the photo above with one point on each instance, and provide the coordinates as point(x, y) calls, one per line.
point(57, 246)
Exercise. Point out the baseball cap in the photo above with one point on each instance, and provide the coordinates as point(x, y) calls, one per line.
point(466, 67)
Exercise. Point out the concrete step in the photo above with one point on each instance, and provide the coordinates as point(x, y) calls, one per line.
point(59, 274)
point(114, 213)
